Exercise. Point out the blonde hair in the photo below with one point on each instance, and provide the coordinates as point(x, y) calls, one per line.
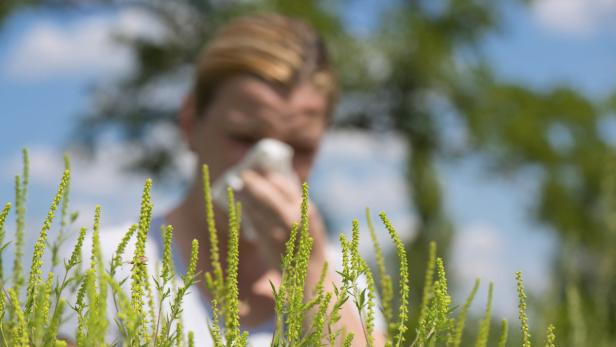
point(278, 49)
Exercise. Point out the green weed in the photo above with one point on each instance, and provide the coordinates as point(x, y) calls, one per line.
point(151, 315)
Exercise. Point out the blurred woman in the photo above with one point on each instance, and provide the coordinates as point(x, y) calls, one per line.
point(262, 76)
point(265, 76)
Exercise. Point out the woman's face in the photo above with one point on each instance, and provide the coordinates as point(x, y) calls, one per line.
point(246, 110)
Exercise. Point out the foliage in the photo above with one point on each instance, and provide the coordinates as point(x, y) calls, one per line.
point(142, 322)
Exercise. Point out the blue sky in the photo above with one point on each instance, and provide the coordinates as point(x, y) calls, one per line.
point(559, 41)
point(48, 59)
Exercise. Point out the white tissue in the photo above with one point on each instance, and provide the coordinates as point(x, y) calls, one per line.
point(268, 155)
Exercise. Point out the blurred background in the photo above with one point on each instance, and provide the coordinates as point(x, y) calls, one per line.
point(488, 126)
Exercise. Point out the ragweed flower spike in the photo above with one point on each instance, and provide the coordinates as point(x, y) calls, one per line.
point(26, 171)
point(215, 327)
point(179, 334)
point(551, 338)
point(116, 261)
point(439, 313)
point(139, 275)
point(348, 340)
point(21, 192)
point(96, 259)
point(355, 257)
point(427, 289)
point(217, 280)
point(61, 236)
point(167, 271)
point(76, 254)
point(2, 305)
point(188, 280)
point(19, 330)
point(370, 316)
point(502, 340)
point(576, 315)
point(456, 337)
point(192, 265)
point(285, 291)
point(304, 208)
point(99, 306)
point(3, 215)
point(92, 314)
point(39, 247)
point(484, 325)
point(65, 196)
point(232, 303)
point(404, 280)
point(318, 292)
point(442, 278)
point(522, 311)
point(319, 319)
point(300, 265)
point(387, 291)
point(41, 312)
point(54, 325)
point(19, 237)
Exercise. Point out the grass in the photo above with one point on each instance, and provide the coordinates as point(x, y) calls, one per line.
point(149, 306)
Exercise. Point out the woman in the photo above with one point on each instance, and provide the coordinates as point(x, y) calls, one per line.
point(264, 76)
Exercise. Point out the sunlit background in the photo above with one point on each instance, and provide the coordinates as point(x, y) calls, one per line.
point(60, 64)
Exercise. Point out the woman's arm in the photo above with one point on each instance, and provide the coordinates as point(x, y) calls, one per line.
point(272, 203)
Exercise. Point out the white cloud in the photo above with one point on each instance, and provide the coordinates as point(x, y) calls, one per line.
point(478, 252)
point(100, 180)
point(491, 253)
point(344, 199)
point(576, 17)
point(85, 46)
point(101, 177)
point(361, 144)
point(356, 170)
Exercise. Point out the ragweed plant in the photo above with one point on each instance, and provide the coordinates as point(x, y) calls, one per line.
point(387, 290)
point(148, 305)
point(502, 340)
point(456, 336)
point(21, 192)
point(484, 325)
point(522, 311)
point(3, 215)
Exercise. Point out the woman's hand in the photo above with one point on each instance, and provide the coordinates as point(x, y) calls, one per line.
point(272, 201)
